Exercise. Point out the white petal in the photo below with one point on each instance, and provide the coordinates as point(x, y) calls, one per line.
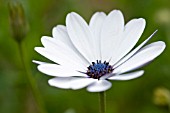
point(79, 83)
point(38, 62)
point(48, 54)
point(71, 82)
point(60, 33)
point(127, 76)
point(60, 53)
point(134, 51)
point(145, 55)
point(132, 32)
point(57, 70)
point(60, 82)
point(95, 25)
point(111, 33)
point(60, 59)
point(99, 86)
point(80, 35)
point(107, 76)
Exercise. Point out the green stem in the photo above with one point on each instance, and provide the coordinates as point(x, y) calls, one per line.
point(102, 102)
point(31, 80)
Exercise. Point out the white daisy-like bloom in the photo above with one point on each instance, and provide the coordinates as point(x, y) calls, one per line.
point(91, 55)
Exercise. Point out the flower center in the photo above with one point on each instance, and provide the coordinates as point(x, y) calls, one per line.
point(99, 69)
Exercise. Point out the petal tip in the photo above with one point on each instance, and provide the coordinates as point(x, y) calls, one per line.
point(116, 12)
point(38, 49)
point(50, 82)
point(38, 62)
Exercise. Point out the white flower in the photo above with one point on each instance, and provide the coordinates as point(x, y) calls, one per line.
point(90, 55)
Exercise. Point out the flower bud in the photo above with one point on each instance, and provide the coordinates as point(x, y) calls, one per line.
point(162, 97)
point(18, 22)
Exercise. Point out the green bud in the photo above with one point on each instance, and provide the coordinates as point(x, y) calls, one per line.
point(162, 97)
point(18, 22)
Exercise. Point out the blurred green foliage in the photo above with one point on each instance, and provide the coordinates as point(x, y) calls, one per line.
point(135, 96)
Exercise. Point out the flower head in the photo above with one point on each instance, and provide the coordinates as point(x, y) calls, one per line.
point(89, 55)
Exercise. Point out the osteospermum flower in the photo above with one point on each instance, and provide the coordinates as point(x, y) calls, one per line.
point(91, 55)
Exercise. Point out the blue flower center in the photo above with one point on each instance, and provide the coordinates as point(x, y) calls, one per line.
point(99, 69)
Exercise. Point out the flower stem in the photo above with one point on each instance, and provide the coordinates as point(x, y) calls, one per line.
point(102, 102)
point(31, 80)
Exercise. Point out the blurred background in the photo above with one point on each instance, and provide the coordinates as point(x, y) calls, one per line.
point(147, 94)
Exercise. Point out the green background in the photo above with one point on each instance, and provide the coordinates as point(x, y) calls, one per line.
point(135, 96)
